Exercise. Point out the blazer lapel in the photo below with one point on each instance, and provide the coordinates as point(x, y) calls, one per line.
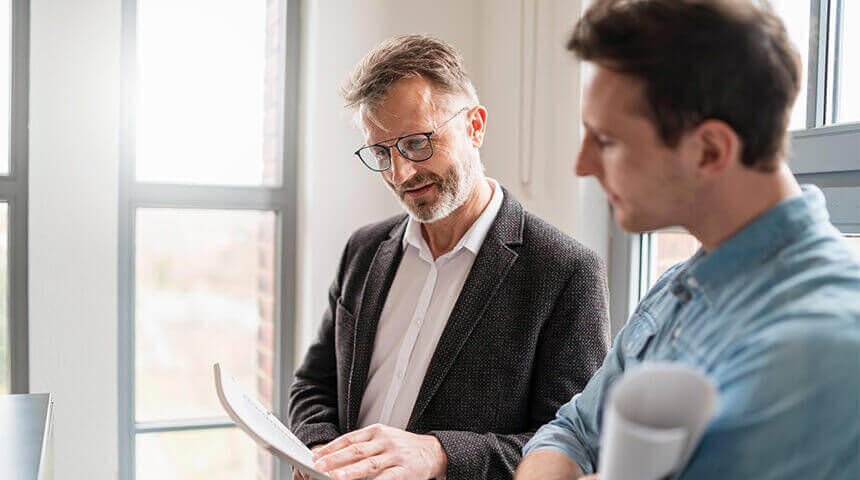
point(376, 285)
point(489, 270)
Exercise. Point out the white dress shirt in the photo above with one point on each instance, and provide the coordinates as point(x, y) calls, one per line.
point(416, 311)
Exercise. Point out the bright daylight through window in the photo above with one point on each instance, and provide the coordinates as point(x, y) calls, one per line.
point(201, 98)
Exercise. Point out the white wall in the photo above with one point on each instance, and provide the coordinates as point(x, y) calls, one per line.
point(337, 194)
point(530, 85)
point(74, 115)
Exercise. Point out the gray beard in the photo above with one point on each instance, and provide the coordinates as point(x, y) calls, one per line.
point(454, 189)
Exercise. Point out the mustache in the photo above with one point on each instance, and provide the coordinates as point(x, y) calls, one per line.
point(417, 181)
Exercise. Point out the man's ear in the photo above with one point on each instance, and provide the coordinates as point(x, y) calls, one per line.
point(476, 121)
point(720, 147)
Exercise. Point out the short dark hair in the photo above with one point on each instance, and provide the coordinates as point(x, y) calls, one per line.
point(729, 60)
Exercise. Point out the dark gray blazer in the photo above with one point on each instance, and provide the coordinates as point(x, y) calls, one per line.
point(528, 331)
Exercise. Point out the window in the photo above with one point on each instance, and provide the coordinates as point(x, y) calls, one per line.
point(207, 229)
point(666, 249)
point(13, 195)
point(824, 145)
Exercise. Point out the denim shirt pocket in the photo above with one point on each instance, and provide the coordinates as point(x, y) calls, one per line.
point(637, 335)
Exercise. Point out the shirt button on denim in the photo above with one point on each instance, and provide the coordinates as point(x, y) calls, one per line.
point(681, 293)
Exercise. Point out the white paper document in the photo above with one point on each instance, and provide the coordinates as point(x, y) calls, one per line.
point(261, 425)
point(655, 417)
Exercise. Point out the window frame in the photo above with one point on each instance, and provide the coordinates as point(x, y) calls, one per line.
point(281, 199)
point(823, 154)
point(13, 191)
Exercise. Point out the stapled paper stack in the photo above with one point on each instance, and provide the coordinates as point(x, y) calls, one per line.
point(261, 425)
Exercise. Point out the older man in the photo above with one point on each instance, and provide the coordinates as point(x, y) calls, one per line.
point(685, 124)
point(453, 331)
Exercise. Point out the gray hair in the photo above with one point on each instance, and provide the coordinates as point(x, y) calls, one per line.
point(407, 56)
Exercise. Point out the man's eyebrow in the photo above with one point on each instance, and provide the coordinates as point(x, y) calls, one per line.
point(397, 138)
point(380, 142)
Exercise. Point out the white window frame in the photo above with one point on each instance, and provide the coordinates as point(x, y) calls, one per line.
point(281, 199)
point(821, 154)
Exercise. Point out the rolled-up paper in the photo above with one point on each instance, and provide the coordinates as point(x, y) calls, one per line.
point(655, 416)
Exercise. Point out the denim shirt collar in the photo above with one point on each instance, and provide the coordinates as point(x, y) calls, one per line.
point(765, 235)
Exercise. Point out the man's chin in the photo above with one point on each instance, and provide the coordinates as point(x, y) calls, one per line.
point(420, 209)
point(630, 223)
point(422, 213)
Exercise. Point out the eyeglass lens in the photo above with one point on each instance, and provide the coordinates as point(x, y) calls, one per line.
point(415, 147)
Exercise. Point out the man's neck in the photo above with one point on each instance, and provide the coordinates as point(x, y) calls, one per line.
point(728, 208)
point(442, 235)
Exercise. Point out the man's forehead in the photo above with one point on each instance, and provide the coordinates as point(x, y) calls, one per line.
point(611, 93)
point(388, 120)
point(406, 110)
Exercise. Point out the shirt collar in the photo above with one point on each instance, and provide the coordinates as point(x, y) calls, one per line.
point(755, 242)
point(472, 239)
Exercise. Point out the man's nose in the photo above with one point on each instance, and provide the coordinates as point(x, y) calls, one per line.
point(587, 161)
point(402, 169)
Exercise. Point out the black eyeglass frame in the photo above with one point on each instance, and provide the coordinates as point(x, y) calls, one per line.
point(397, 140)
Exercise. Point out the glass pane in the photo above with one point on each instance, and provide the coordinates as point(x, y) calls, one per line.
point(669, 249)
point(5, 360)
point(204, 293)
point(5, 81)
point(795, 14)
point(210, 92)
point(854, 241)
point(848, 107)
point(226, 454)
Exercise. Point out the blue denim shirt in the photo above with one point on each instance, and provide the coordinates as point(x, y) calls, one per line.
point(772, 315)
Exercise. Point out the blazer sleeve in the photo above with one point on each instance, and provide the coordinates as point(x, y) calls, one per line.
point(313, 408)
point(571, 347)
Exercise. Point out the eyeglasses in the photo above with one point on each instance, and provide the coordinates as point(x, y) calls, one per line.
point(416, 147)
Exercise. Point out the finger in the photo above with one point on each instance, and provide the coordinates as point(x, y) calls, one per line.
point(397, 472)
point(349, 455)
point(364, 468)
point(299, 474)
point(344, 441)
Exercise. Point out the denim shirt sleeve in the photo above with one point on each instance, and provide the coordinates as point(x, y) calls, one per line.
point(575, 430)
point(789, 401)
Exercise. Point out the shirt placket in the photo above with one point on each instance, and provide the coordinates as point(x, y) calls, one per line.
point(404, 354)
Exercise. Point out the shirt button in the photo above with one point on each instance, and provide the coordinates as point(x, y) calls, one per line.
point(692, 282)
point(418, 321)
point(676, 333)
point(400, 375)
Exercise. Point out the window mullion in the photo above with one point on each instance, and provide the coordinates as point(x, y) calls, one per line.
point(15, 193)
point(817, 71)
point(183, 425)
point(834, 63)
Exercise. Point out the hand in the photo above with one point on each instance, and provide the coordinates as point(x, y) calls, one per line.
point(299, 474)
point(378, 449)
point(593, 476)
